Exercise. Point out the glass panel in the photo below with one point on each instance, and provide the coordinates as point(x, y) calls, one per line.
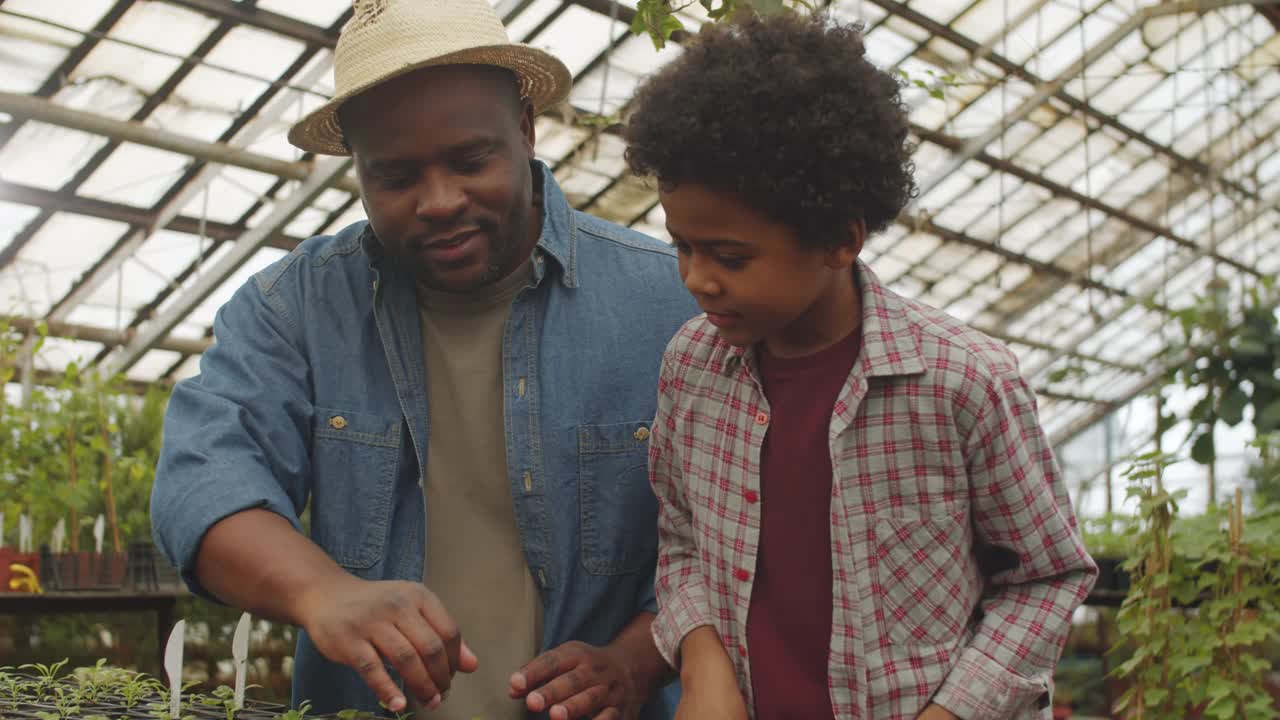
point(317, 12)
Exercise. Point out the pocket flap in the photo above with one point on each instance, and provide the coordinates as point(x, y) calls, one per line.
point(356, 427)
point(613, 438)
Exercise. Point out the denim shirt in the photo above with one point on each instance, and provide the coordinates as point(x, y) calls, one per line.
point(315, 393)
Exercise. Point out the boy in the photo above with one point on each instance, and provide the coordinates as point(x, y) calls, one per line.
point(859, 514)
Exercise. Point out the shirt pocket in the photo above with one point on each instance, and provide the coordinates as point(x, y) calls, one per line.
point(923, 569)
point(618, 509)
point(354, 462)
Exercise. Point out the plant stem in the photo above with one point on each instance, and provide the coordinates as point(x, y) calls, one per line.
point(108, 488)
point(73, 531)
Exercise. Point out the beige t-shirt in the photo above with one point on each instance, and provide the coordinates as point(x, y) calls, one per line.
point(475, 561)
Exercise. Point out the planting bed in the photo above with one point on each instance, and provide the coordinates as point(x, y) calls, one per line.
point(45, 693)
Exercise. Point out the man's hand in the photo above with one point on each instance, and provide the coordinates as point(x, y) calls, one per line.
point(362, 624)
point(577, 680)
point(936, 712)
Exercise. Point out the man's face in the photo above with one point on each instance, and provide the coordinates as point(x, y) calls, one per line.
point(443, 160)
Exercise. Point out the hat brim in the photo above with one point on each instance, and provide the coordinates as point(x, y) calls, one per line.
point(544, 80)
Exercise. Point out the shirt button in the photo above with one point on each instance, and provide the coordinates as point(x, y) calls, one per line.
point(641, 434)
point(520, 387)
point(337, 422)
point(762, 418)
point(742, 575)
point(752, 496)
point(528, 482)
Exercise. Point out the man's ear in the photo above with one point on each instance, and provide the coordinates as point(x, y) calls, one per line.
point(843, 254)
point(527, 127)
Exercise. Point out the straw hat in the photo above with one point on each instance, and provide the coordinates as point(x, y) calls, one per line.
point(388, 38)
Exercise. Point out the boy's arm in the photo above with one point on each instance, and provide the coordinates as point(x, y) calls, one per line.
point(1020, 504)
point(679, 583)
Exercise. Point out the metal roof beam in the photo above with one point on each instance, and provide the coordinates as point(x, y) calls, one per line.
point(33, 108)
point(54, 82)
point(327, 172)
point(245, 14)
point(1054, 88)
point(105, 336)
point(1030, 296)
point(100, 156)
point(127, 247)
point(1265, 205)
point(131, 215)
point(1010, 168)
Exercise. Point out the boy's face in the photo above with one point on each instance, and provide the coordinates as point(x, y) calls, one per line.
point(753, 276)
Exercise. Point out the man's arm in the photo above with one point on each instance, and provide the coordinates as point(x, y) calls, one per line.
point(231, 480)
point(1019, 503)
point(351, 621)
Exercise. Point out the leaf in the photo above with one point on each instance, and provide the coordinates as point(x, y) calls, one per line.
point(768, 7)
point(1269, 419)
point(1231, 409)
point(1223, 706)
point(1202, 451)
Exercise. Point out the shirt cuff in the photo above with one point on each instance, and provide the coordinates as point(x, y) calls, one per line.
point(684, 612)
point(979, 688)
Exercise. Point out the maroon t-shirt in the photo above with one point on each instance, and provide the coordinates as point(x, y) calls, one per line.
point(789, 622)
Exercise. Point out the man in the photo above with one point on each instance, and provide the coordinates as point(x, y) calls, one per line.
point(460, 390)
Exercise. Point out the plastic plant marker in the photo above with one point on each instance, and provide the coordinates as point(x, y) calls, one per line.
point(59, 535)
point(99, 526)
point(240, 656)
point(173, 667)
point(24, 534)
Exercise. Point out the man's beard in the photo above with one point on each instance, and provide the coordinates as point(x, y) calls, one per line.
point(501, 262)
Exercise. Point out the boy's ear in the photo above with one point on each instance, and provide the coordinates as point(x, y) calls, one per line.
point(844, 254)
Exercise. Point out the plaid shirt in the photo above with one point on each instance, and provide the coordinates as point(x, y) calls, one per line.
point(940, 466)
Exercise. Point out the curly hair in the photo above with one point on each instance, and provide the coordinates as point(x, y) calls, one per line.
point(785, 112)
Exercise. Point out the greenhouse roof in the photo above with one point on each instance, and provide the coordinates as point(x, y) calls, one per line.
point(1085, 167)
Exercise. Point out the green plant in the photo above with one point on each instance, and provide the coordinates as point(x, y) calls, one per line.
point(1108, 535)
point(1231, 356)
point(1205, 599)
point(1144, 618)
point(1237, 575)
point(47, 675)
point(11, 684)
point(1264, 475)
point(67, 700)
point(136, 687)
point(298, 713)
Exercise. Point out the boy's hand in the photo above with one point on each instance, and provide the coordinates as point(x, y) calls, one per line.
point(937, 712)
